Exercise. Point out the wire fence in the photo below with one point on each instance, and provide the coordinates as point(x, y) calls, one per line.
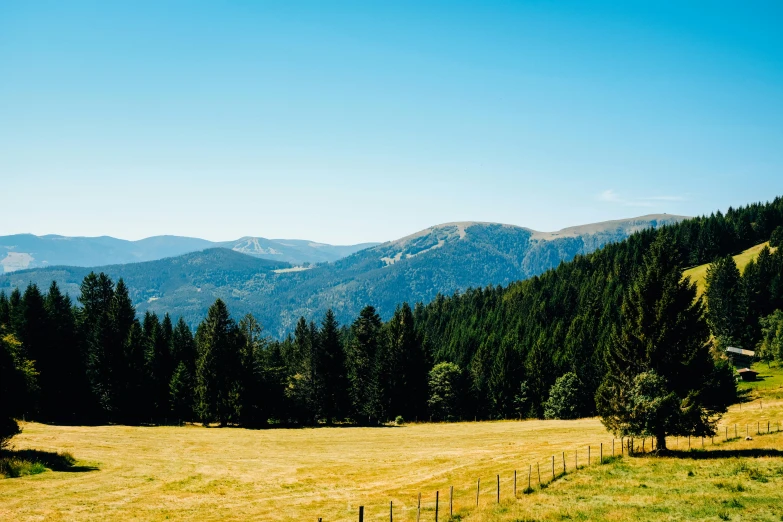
point(485, 491)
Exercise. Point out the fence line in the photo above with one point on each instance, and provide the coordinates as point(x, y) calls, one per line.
point(627, 446)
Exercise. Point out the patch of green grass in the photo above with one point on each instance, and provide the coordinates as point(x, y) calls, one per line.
point(737, 480)
point(19, 463)
point(12, 467)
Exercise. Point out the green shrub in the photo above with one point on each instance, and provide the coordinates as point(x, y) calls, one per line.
point(399, 421)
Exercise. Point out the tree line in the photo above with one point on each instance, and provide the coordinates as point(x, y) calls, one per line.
point(541, 347)
point(98, 362)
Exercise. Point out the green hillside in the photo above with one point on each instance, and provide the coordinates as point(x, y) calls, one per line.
point(439, 260)
point(699, 273)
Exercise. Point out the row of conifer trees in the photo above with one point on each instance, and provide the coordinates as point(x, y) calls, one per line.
point(505, 350)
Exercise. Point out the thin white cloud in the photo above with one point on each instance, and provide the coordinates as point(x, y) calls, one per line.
point(665, 198)
point(610, 196)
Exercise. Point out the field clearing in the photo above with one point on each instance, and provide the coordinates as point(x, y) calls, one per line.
point(194, 473)
point(698, 274)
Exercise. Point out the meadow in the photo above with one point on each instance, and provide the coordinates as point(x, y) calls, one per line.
point(196, 473)
point(698, 274)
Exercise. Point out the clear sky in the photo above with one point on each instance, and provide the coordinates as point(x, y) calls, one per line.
point(345, 122)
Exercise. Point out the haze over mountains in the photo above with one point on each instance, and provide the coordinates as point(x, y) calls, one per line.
point(271, 283)
point(22, 251)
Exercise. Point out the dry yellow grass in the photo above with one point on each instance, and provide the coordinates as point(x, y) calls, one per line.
point(194, 473)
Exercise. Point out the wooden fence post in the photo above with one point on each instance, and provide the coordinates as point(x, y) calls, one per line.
point(564, 467)
point(588, 455)
point(612, 447)
point(553, 467)
point(515, 483)
point(437, 493)
point(538, 468)
point(418, 509)
point(529, 474)
point(361, 513)
point(391, 511)
point(451, 502)
point(602, 453)
point(498, 489)
point(478, 488)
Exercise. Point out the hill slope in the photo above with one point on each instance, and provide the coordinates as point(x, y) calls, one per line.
point(698, 274)
point(441, 259)
point(21, 251)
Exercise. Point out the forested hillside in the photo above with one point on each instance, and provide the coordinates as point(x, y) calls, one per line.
point(533, 348)
point(439, 260)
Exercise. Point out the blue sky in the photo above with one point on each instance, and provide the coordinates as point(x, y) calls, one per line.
point(346, 122)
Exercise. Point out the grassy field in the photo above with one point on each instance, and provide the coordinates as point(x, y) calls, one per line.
point(194, 473)
point(699, 273)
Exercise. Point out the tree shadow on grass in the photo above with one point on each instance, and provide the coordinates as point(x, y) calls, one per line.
point(54, 461)
point(717, 454)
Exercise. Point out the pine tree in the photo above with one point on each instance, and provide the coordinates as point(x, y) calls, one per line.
point(97, 293)
point(182, 385)
point(65, 391)
point(402, 377)
point(218, 366)
point(361, 361)
point(659, 365)
point(5, 309)
point(32, 330)
point(336, 385)
point(726, 302)
point(252, 411)
point(135, 403)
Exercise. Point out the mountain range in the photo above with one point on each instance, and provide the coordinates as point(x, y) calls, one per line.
point(442, 259)
point(21, 251)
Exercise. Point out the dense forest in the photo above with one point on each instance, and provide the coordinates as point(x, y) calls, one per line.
point(534, 348)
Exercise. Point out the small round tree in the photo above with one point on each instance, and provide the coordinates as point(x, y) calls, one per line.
point(660, 370)
point(566, 399)
point(445, 382)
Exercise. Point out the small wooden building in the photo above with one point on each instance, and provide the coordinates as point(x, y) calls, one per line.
point(746, 374)
point(740, 358)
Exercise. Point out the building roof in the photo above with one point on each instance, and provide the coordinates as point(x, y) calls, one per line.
point(740, 351)
point(746, 370)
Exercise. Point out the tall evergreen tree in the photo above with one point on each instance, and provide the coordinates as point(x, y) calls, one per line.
point(97, 293)
point(726, 302)
point(182, 384)
point(218, 366)
point(32, 330)
point(252, 411)
point(361, 360)
point(659, 365)
point(64, 390)
point(336, 385)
